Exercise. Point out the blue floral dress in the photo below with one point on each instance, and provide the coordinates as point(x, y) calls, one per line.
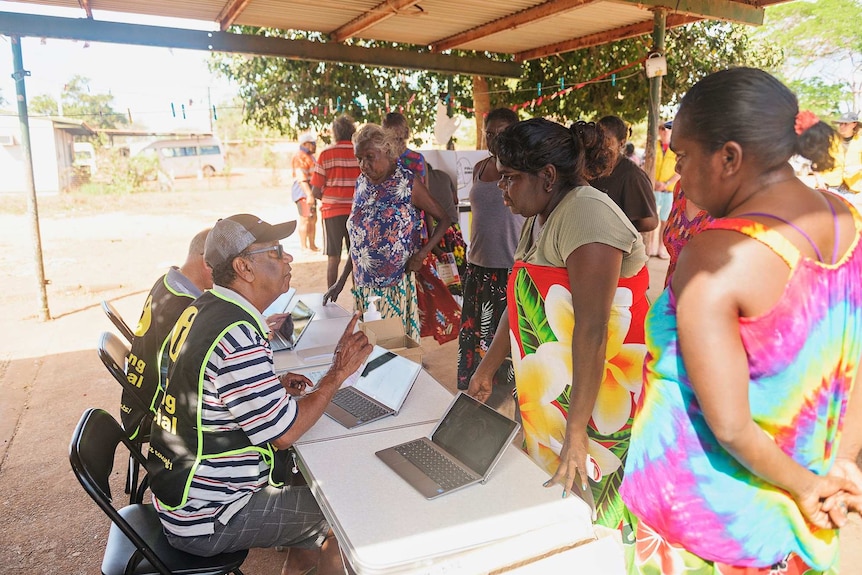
point(384, 228)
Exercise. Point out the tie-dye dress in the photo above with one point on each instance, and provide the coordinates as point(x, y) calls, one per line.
point(699, 511)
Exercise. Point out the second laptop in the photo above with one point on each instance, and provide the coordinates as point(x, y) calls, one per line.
point(383, 385)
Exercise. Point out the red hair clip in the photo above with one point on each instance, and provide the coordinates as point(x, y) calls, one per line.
point(804, 120)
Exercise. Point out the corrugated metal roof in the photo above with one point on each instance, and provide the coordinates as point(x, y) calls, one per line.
point(588, 20)
point(430, 22)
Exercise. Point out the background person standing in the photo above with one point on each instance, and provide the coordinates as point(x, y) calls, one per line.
point(665, 179)
point(332, 183)
point(303, 165)
point(494, 235)
point(846, 177)
point(627, 185)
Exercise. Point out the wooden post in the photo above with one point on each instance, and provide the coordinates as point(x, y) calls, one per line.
point(481, 107)
point(654, 117)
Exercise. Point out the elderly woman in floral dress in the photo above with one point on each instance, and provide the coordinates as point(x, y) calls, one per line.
point(576, 305)
point(385, 231)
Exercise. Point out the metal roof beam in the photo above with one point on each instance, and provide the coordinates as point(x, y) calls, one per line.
point(85, 6)
point(527, 16)
point(134, 34)
point(231, 11)
point(742, 12)
point(601, 38)
point(383, 11)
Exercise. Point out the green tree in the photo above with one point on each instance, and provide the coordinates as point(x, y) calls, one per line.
point(94, 109)
point(822, 43)
point(43, 105)
point(692, 51)
point(291, 96)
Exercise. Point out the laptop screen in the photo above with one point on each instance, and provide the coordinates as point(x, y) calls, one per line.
point(280, 304)
point(473, 432)
point(387, 377)
point(301, 315)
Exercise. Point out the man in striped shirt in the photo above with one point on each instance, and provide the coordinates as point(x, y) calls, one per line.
point(225, 410)
point(332, 183)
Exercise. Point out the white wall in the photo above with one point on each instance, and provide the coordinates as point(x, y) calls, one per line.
point(459, 164)
point(45, 150)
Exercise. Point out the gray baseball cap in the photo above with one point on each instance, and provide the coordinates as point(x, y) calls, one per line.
point(230, 236)
point(847, 118)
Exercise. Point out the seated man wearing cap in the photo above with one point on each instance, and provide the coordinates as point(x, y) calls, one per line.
point(147, 366)
point(225, 410)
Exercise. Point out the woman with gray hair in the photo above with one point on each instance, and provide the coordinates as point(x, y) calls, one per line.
point(384, 228)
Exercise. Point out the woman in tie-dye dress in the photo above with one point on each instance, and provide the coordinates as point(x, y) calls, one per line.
point(742, 458)
point(576, 305)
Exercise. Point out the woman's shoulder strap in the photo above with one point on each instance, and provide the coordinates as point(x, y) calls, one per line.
point(757, 231)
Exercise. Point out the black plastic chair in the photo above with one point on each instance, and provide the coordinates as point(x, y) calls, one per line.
point(113, 353)
point(136, 543)
point(118, 321)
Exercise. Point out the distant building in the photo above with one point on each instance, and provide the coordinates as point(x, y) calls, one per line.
point(52, 147)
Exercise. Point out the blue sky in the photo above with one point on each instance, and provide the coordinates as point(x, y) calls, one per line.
point(142, 79)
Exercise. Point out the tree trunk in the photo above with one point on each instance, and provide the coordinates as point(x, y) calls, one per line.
point(481, 107)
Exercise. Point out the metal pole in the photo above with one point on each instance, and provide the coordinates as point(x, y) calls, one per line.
point(659, 24)
point(32, 208)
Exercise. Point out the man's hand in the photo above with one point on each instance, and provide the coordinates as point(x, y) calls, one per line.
point(351, 352)
point(275, 321)
point(294, 383)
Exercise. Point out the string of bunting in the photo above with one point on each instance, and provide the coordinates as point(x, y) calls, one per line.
point(563, 91)
point(337, 106)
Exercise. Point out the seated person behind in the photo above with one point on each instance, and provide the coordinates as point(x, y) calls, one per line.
point(147, 366)
point(225, 410)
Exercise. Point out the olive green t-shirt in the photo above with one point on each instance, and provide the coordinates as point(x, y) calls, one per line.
point(584, 216)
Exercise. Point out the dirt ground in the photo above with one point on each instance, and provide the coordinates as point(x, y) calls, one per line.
point(109, 247)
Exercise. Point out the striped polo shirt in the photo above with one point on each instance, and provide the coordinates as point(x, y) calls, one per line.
point(335, 173)
point(240, 390)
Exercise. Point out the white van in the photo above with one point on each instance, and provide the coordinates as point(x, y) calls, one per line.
point(190, 157)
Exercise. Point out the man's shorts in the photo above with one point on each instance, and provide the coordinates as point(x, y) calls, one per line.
point(273, 517)
point(335, 235)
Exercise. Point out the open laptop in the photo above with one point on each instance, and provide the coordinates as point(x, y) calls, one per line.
point(383, 384)
point(463, 448)
point(301, 315)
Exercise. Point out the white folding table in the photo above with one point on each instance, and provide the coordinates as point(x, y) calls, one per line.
point(384, 527)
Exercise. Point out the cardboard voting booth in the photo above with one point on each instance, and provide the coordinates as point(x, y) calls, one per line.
point(389, 333)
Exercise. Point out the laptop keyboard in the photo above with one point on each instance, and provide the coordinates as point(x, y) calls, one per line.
point(358, 406)
point(434, 464)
